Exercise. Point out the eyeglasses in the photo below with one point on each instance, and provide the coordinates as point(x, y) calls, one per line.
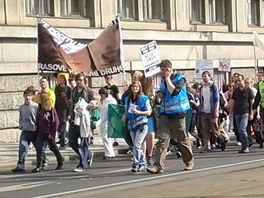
point(79, 79)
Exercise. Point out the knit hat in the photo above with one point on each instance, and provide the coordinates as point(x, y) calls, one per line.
point(64, 75)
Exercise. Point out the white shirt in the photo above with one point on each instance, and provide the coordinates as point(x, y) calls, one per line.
point(206, 99)
point(103, 107)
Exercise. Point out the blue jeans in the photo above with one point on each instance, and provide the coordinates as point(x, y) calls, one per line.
point(138, 137)
point(82, 150)
point(25, 138)
point(242, 122)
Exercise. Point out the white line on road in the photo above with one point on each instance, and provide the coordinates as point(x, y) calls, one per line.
point(25, 186)
point(149, 178)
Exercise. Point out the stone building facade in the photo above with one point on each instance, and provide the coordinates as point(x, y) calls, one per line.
point(185, 30)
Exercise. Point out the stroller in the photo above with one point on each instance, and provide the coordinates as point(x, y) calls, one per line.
point(258, 132)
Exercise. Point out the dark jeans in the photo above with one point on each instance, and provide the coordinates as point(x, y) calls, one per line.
point(82, 150)
point(40, 141)
point(25, 138)
point(62, 115)
point(62, 134)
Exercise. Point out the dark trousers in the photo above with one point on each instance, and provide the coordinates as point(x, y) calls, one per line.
point(82, 150)
point(62, 115)
point(40, 141)
point(62, 134)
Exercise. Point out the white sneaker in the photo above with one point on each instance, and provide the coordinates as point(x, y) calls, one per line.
point(78, 169)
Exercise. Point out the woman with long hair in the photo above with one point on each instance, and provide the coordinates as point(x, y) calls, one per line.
point(148, 144)
point(137, 108)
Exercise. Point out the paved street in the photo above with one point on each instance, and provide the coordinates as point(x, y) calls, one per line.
point(218, 174)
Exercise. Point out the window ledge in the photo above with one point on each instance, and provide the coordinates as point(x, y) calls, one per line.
point(145, 25)
point(210, 28)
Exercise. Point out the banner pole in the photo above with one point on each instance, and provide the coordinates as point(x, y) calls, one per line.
point(121, 46)
point(37, 16)
point(256, 61)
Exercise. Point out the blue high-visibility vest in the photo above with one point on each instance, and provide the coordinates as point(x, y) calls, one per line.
point(135, 120)
point(173, 104)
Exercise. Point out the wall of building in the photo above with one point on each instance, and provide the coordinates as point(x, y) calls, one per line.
point(178, 40)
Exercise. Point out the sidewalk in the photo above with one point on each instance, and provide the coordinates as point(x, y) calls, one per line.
point(9, 153)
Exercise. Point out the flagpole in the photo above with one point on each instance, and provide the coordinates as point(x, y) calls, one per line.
point(255, 60)
point(121, 47)
point(38, 43)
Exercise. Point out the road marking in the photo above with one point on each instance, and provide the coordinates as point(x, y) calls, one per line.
point(146, 179)
point(25, 186)
point(118, 171)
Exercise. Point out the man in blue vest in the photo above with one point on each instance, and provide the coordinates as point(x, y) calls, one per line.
point(174, 104)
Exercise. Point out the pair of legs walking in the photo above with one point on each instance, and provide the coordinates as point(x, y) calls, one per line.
point(171, 127)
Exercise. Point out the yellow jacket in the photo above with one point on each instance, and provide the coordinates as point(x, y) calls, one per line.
point(51, 97)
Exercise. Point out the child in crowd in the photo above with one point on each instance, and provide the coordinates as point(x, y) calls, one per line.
point(47, 123)
point(27, 121)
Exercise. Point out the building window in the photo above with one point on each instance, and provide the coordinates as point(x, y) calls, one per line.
point(254, 12)
point(153, 9)
point(74, 7)
point(42, 7)
point(197, 11)
point(217, 11)
point(127, 9)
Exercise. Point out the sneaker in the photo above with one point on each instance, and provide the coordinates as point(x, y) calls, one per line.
point(150, 161)
point(178, 154)
point(79, 169)
point(45, 163)
point(198, 143)
point(90, 161)
point(238, 143)
point(134, 170)
point(189, 166)
point(37, 170)
point(141, 169)
point(129, 152)
point(18, 170)
point(115, 144)
point(154, 170)
point(244, 150)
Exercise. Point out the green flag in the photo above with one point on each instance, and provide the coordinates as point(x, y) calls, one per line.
point(115, 125)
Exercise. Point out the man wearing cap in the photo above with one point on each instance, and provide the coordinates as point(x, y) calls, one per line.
point(62, 105)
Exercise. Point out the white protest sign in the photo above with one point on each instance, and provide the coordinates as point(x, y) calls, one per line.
point(150, 58)
point(201, 66)
point(224, 65)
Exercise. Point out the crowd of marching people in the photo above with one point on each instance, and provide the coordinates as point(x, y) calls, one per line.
point(170, 113)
